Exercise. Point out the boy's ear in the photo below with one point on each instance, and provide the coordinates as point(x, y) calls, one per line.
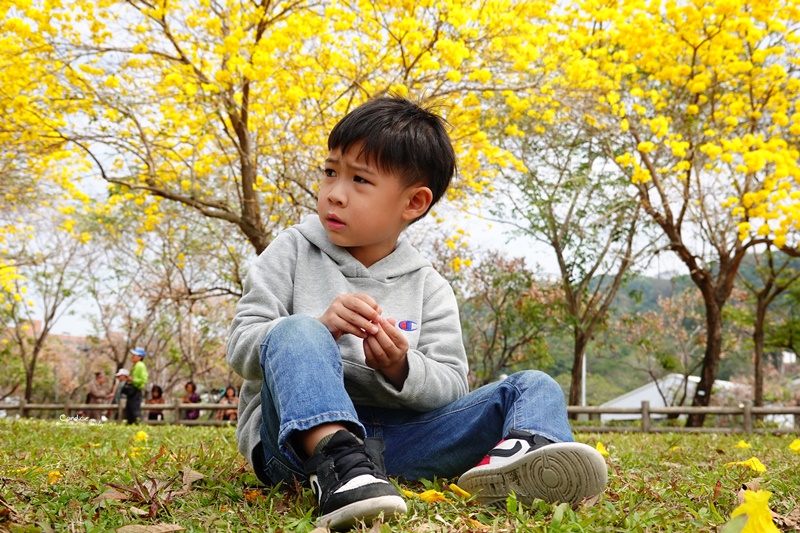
point(419, 199)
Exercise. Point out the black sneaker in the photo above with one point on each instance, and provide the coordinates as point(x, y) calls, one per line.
point(534, 467)
point(349, 480)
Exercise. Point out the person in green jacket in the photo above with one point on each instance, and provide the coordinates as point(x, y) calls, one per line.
point(135, 386)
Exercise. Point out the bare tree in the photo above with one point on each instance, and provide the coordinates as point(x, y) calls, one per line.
point(505, 317)
point(773, 275)
point(54, 265)
point(173, 296)
point(569, 200)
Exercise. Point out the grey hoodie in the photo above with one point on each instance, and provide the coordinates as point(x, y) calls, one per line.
point(302, 272)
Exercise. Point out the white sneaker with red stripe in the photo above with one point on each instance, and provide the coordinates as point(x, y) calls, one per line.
point(534, 467)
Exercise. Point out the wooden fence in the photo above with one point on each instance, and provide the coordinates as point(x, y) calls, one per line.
point(172, 412)
point(745, 419)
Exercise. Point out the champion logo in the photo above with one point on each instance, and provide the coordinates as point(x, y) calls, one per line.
point(407, 325)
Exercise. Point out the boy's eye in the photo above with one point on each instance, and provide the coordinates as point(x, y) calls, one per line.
point(330, 172)
point(359, 179)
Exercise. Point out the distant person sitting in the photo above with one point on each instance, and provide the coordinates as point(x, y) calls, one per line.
point(156, 397)
point(98, 393)
point(231, 399)
point(191, 396)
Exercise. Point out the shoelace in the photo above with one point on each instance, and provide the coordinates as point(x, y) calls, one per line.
point(352, 461)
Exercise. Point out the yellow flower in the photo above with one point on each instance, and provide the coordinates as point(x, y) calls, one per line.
point(140, 436)
point(795, 446)
point(430, 496)
point(753, 464)
point(53, 477)
point(459, 491)
point(756, 508)
point(675, 448)
point(602, 449)
point(252, 495)
point(742, 444)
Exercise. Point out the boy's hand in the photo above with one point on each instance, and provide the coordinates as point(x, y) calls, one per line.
point(352, 313)
point(386, 351)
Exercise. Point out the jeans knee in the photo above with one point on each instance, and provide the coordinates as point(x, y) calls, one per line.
point(296, 327)
point(298, 334)
point(536, 381)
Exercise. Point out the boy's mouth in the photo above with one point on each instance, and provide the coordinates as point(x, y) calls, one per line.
point(334, 222)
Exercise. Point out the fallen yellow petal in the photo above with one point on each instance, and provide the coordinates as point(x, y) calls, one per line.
point(140, 436)
point(408, 493)
point(742, 444)
point(795, 446)
point(602, 449)
point(459, 491)
point(753, 464)
point(53, 477)
point(432, 496)
point(252, 495)
point(756, 507)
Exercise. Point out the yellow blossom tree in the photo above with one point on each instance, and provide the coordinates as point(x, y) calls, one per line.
point(224, 107)
point(697, 102)
point(36, 163)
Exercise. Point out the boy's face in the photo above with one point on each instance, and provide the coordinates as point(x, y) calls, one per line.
point(363, 208)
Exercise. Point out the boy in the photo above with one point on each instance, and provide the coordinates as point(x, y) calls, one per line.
point(350, 345)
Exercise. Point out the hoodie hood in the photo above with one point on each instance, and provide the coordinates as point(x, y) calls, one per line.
point(403, 260)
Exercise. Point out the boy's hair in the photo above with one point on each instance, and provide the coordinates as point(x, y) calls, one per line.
point(401, 137)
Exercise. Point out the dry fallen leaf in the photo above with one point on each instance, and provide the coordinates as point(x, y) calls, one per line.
point(789, 522)
point(753, 484)
point(589, 502)
point(153, 528)
point(189, 477)
point(111, 494)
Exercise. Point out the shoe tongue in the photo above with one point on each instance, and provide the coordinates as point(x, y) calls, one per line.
point(350, 458)
point(341, 439)
point(535, 440)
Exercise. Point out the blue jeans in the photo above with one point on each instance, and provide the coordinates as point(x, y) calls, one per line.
point(304, 387)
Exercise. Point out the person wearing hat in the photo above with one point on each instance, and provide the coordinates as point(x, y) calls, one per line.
point(135, 383)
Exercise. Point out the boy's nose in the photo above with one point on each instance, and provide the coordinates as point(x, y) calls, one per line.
point(337, 196)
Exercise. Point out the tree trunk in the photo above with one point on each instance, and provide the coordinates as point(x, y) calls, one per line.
point(708, 373)
point(581, 340)
point(758, 352)
point(28, 385)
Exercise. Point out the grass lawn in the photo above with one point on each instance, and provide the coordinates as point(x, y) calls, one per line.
point(72, 476)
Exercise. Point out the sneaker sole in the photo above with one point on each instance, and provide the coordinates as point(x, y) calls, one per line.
point(560, 472)
point(363, 510)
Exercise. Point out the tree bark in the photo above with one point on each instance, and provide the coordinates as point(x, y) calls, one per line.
point(708, 372)
point(579, 352)
point(758, 349)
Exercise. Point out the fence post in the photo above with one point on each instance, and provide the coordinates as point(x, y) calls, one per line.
point(22, 408)
point(177, 412)
point(645, 416)
point(748, 417)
